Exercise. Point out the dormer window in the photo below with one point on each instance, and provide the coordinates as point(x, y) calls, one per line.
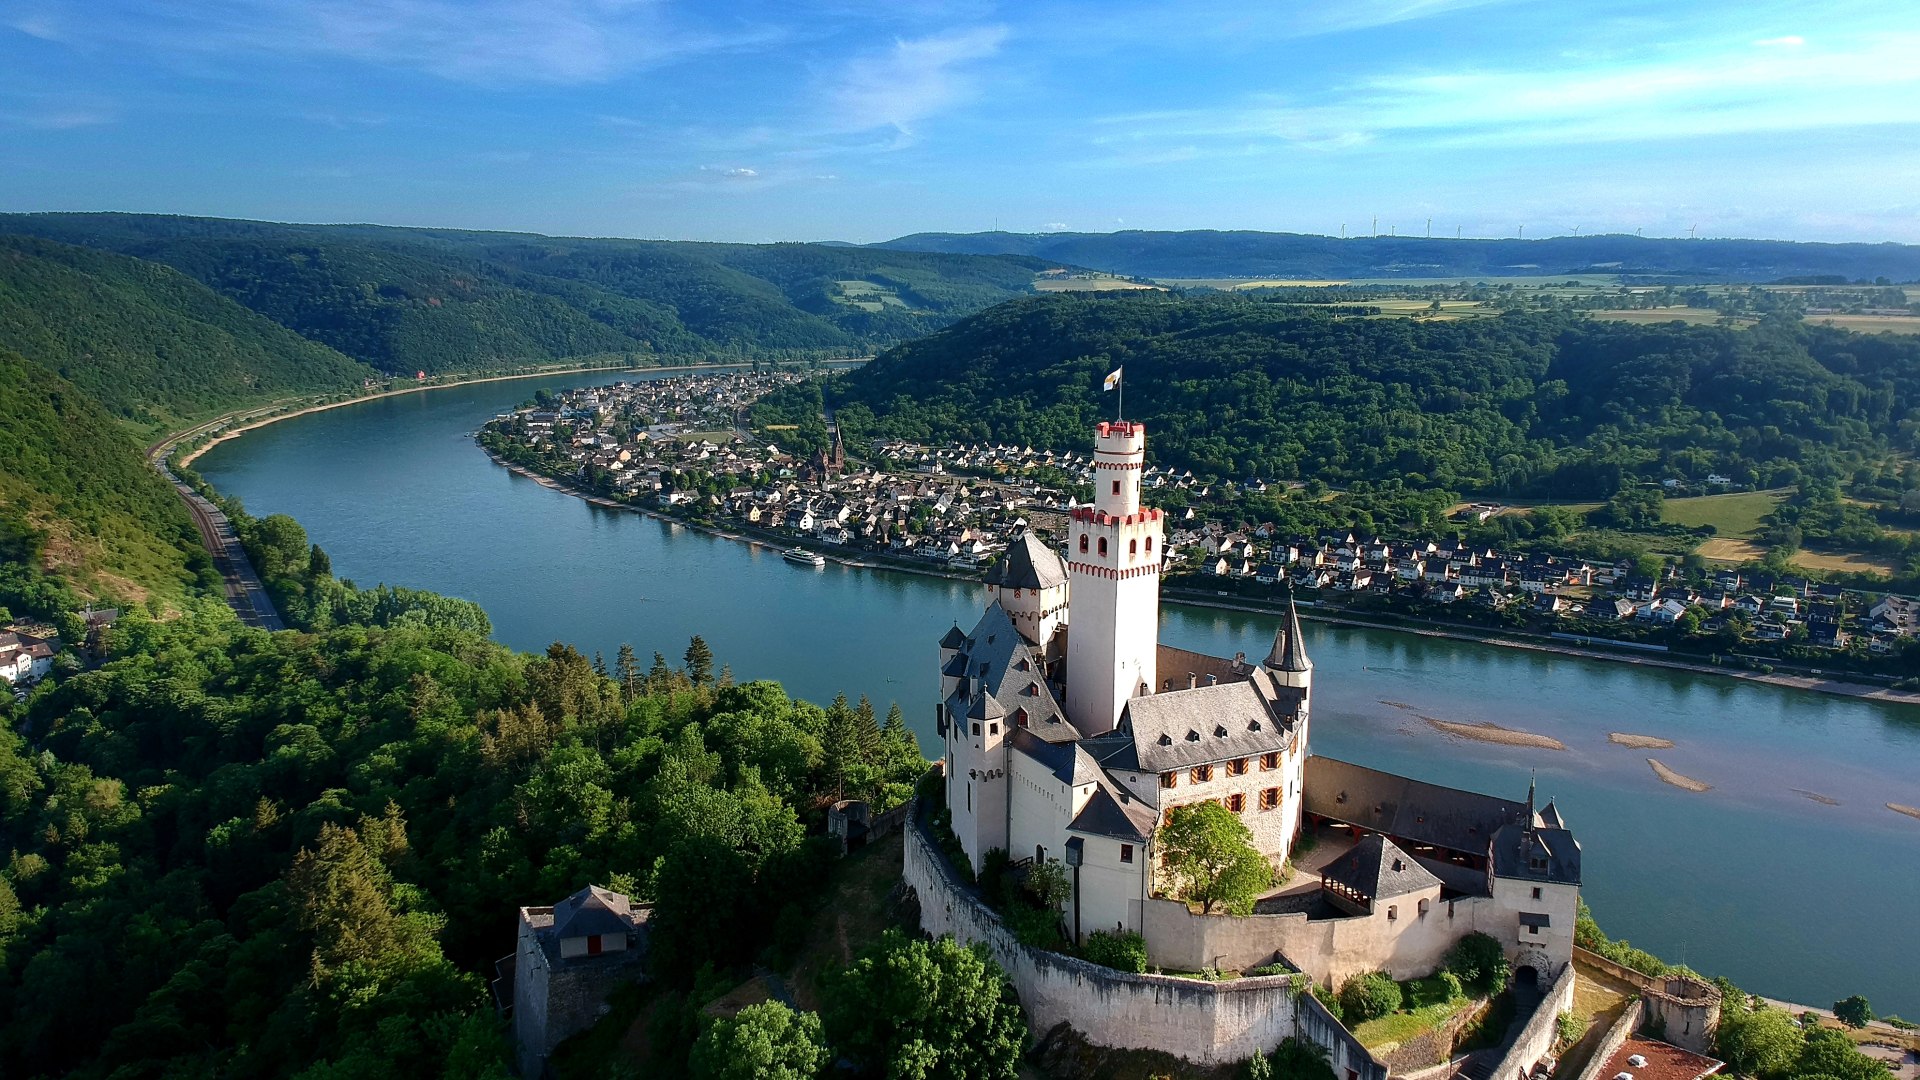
point(1219, 731)
point(1192, 735)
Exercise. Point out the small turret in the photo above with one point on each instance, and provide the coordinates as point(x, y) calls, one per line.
point(1289, 652)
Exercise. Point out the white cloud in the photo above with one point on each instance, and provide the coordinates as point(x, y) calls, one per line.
point(1869, 83)
point(913, 80)
point(480, 41)
point(1054, 226)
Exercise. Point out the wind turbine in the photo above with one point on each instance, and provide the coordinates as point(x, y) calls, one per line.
point(1523, 232)
point(1692, 229)
point(1429, 228)
point(1376, 224)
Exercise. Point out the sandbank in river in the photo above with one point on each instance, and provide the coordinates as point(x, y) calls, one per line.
point(1677, 779)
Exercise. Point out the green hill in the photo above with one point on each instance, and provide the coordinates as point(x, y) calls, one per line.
point(78, 502)
point(1207, 253)
point(150, 343)
point(1549, 404)
point(444, 300)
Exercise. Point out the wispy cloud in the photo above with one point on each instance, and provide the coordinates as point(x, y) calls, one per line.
point(55, 112)
point(481, 41)
point(912, 80)
point(1764, 88)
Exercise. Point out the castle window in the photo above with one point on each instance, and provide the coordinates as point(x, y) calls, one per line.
point(993, 729)
point(1116, 487)
point(1020, 717)
point(1237, 767)
point(1236, 803)
point(1393, 911)
point(1149, 545)
point(1270, 799)
point(1270, 760)
point(1103, 545)
point(1083, 543)
point(1537, 863)
point(1202, 773)
point(1536, 892)
point(1126, 853)
point(1169, 779)
point(976, 731)
point(1133, 547)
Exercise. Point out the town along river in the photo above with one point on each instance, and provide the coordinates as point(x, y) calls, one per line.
point(1756, 879)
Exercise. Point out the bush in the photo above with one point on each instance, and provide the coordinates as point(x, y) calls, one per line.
point(1478, 960)
point(1369, 996)
point(1569, 1029)
point(1120, 950)
point(1331, 1000)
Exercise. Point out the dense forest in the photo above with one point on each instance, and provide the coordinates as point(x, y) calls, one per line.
point(403, 300)
point(1243, 254)
point(242, 854)
point(78, 503)
point(1528, 403)
point(152, 344)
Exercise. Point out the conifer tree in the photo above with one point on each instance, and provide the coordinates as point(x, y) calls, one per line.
point(627, 668)
point(867, 727)
point(841, 758)
point(699, 661)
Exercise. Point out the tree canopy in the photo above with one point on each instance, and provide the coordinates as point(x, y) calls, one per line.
point(1208, 852)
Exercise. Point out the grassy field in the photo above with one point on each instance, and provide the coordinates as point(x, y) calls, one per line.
point(1871, 324)
point(1723, 549)
point(1734, 515)
point(1089, 283)
point(868, 296)
point(1698, 316)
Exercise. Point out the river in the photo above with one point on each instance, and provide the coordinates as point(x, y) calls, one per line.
point(1755, 880)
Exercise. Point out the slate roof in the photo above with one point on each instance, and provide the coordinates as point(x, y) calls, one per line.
point(1377, 869)
point(1113, 813)
point(592, 911)
point(1410, 810)
point(1068, 763)
point(1550, 855)
point(1289, 652)
point(996, 660)
point(1182, 728)
point(1028, 564)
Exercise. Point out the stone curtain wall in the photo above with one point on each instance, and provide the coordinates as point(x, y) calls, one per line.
point(1637, 980)
point(1407, 947)
point(1617, 1035)
point(1536, 1039)
point(1206, 1023)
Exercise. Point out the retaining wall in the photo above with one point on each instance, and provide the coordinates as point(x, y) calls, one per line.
point(1637, 980)
point(1536, 1039)
point(1617, 1035)
point(1206, 1023)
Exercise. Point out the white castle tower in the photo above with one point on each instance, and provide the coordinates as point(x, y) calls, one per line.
point(1114, 550)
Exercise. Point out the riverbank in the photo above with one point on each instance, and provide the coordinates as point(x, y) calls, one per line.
point(1823, 685)
point(751, 537)
point(774, 541)
point(254, 418)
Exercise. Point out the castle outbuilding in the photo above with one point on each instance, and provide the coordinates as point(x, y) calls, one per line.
point(566, 961)
point(1071, 733)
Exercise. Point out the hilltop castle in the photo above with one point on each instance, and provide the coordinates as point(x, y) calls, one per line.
point(1070, 733)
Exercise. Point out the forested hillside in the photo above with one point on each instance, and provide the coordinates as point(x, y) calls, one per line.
point(1205, 253)
point(442, 300)
point(77, 502)
point(1527, 403)
point(254, 855)
point(150, 343)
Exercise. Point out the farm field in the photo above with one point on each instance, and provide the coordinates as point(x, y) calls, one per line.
point(1871, 324)
point(868, 296)
point(1733, 515)
point(1100, 283)
point(1584, 282)
point(1698, 316)
point(1722, 549)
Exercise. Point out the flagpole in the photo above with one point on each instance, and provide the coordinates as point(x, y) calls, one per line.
point(1120, 399)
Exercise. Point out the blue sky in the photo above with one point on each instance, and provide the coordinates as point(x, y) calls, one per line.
point(865, 119)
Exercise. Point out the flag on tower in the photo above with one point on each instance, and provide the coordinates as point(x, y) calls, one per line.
point(1113, 379)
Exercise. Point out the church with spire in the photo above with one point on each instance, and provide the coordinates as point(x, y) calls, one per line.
point(1071, 733)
